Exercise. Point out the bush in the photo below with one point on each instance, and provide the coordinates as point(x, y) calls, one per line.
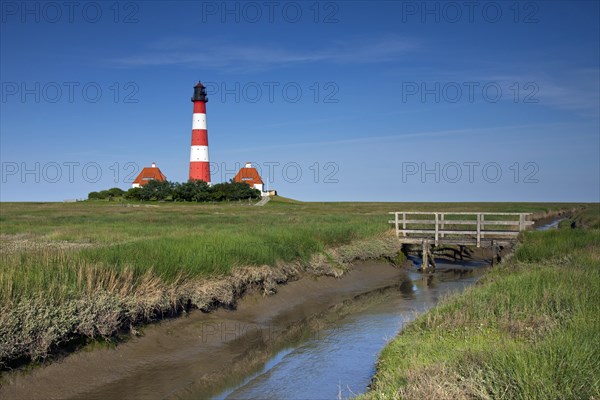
point(193, 190)
point(233, 191)
point(106, 194)
point(156, 190)
point(115, 192)
point(133, 194)
point(94, 196)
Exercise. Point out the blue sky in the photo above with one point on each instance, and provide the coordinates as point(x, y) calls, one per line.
point(333, 101)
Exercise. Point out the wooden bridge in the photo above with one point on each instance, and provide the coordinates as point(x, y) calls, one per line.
point(481, 229)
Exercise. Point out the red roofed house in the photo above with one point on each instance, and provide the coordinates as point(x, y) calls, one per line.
point(149, 174)
point(250, 176)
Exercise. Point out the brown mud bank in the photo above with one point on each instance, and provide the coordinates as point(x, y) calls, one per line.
point(201, 352)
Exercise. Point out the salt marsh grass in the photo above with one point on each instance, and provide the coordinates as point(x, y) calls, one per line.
point(93, 268)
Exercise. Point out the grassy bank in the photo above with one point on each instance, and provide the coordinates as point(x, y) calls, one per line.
point(529, 330)
point(92, 269)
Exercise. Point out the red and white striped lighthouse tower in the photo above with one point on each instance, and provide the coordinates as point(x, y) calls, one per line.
point(199, 167)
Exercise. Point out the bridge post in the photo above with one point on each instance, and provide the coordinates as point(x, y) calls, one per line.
point(396, 224)
point(443, 226)
point(404, 223)
point(521, 222)
point(495, 252)
point(425, 264)
point(482, 226)
point(478, 229)
point(436, 229)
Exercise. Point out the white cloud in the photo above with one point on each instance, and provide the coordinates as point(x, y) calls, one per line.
point(575, 90)
point(187, 53)
point(578, 90)
point(498, 130)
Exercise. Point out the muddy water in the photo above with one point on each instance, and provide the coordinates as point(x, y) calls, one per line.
point(316, 338)
point(552, 224)
point(340, 361)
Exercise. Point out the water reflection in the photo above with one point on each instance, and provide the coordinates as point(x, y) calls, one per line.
point(342, 361)
point(407, 288)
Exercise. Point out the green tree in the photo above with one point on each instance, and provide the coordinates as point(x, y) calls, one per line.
point(193, 190)
point(233, 191)
point(156, 190)
point(116, 192)
point(133, 193)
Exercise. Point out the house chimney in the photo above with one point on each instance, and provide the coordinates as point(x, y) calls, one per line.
point(248, 164)
point(153, 164)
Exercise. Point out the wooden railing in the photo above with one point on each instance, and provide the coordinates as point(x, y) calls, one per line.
point(461, 226)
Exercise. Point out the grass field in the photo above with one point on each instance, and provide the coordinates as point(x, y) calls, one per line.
point(529, 330)
point(93, 268)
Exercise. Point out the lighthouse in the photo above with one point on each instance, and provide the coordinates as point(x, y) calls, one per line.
point(199, 167)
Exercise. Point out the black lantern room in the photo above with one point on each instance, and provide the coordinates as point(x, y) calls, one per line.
point(200, 93)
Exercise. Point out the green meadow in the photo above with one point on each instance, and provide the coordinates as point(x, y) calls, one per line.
point(91, 269)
